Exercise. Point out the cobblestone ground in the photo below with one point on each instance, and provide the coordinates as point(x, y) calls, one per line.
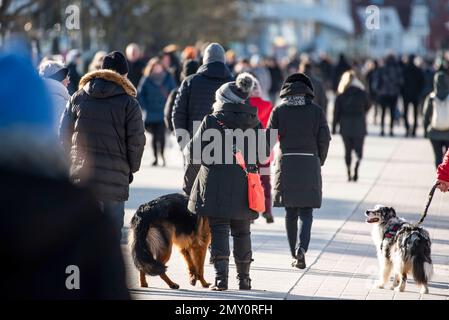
point(342, 264)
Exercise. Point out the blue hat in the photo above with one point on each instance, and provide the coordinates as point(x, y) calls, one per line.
point(24, 101)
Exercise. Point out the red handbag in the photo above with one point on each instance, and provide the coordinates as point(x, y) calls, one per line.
point(256, 194)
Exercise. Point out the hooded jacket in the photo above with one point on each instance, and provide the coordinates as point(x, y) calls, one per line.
point(221, 190)
point(304, 138)
point(102, 132)
point(60, 97)
point(197, 94)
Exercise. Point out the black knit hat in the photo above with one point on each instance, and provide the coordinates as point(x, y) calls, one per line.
point(116, 61)
point(297, 84)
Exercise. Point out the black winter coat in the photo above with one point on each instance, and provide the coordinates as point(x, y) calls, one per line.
point(304, 138)
point(102, 131)
point(47, 224)
point(221, 190)
point(197, 94)
point(414, 82)
point(350, 112)
point(168, 110)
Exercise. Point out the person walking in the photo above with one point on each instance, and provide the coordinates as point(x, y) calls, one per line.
point(388, 89)
point(73, 60)
point(56, 79)
point(189, 67)
point(194, 100)
point(351, 106)
point(411, 93)
point(264, 109)
point(103, 135)
point(225, 204)
point(320, 99)
point(136, 63)
point(153, 92)
point(436, 117)
point(304, 137)
point(443, 174)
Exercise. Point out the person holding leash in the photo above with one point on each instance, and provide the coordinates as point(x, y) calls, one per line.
point(443, 174)
point(304, 138)
point(220, 190)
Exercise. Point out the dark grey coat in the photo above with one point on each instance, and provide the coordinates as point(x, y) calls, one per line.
point(350, 113)
point(221, 190)
point(304, 143)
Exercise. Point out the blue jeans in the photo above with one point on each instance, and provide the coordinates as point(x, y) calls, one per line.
point(116, 212)
point(305, 216)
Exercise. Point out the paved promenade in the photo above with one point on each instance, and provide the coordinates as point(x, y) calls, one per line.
point(342, 262)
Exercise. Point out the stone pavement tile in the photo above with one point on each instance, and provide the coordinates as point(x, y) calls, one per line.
point(406, 296)
point(380, 296)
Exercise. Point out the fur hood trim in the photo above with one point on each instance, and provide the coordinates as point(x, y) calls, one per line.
point(112, 76)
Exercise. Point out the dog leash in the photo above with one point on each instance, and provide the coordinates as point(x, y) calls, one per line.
point(421, 220)
point(429, 201)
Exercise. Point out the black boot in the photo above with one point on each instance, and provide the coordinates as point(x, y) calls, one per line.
point(221, 274)
point(300, 259)
point(243, 275)
point(348, 170)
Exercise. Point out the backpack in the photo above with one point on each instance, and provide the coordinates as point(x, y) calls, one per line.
point(440, 116)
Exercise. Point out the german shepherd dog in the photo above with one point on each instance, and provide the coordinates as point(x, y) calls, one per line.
point(401, 248)
point(162, 223)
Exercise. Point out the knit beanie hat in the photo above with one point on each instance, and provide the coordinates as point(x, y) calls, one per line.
point(214, 53)
point(53, 70)
point(236, 92)
point(116, 61)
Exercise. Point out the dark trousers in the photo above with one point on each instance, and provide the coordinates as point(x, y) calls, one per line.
point(439, 149)
point(305, 216)
point(157, 131)
point(241, 234)
point(415, 103)
point(388, 103)
point(115, 210)
point(353, 145)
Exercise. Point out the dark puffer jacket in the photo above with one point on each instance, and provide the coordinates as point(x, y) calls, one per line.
point(350, 113)
point(221, 190)
point(197, 94)
point(102, 130)
point(304, 138)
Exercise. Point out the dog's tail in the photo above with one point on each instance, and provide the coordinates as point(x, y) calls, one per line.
point(147, 241)
point(418, 250)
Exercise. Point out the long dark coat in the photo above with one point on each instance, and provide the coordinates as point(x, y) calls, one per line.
point(304, 143)
point(221, 190)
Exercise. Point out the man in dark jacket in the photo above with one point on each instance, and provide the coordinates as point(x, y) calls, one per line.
point(411, 92)
point(195, 98)
point(304, 138)
point(102, 132)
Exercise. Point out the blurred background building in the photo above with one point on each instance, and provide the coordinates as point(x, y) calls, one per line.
point(265, 27)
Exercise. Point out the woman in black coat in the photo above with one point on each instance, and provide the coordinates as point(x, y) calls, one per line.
point(351, 107)
point(304, 143)
point(220, 191)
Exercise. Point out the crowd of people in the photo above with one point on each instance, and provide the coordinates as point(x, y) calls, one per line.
point(104, 114)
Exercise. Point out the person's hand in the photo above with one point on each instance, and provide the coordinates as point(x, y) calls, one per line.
point(443, 185)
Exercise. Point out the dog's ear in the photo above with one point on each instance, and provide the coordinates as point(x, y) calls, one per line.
point(392, 212)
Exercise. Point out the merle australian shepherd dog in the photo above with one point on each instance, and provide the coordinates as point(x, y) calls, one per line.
point(402, 249)
point(160, 224)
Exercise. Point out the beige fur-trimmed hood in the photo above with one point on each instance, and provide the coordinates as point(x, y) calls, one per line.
point(112, 76)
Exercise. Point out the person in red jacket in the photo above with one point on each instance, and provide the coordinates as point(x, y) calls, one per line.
point(264, 109)
point(443, 174)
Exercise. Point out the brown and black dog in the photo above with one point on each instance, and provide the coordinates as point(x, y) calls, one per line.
point(162, 223)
